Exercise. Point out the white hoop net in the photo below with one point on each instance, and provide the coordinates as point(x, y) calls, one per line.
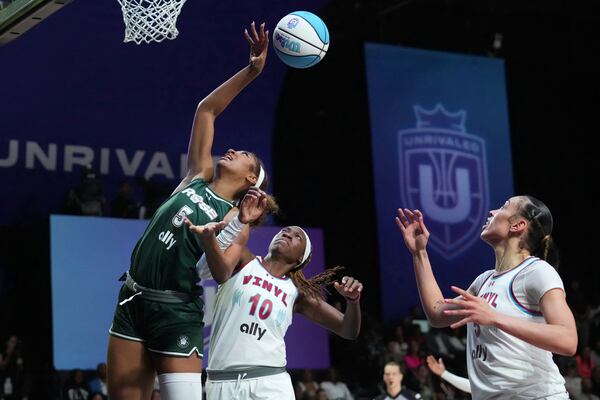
point(150, 20)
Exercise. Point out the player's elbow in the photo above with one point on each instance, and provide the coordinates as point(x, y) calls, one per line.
point(347, 332)
point(565, 345)
point(569, 346)
point(207, 108)
point(436, 321)
point(350, 335)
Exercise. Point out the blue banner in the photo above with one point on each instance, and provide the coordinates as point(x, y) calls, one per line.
point(74, 94)
point(441, 144)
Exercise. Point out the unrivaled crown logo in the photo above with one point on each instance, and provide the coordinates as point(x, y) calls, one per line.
point(443, 173)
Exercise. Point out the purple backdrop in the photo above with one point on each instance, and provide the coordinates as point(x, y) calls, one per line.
point(86, 260)
point(72, 92)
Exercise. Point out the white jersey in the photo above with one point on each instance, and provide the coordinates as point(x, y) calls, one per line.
point(253, 311)
point(502, 366)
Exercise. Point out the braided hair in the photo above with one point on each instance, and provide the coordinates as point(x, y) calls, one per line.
point(538, 239)
point(314, 287)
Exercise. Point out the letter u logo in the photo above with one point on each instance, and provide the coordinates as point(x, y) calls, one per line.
point(460, 196)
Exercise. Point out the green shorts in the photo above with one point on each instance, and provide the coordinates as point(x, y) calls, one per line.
point(171, 329)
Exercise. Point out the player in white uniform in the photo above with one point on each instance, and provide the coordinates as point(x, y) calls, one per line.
point(254, 308)
point(516, 314)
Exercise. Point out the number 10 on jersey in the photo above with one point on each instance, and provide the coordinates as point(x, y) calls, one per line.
point(265, 308)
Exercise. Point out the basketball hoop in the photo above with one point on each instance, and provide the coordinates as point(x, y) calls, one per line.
point(150, 20)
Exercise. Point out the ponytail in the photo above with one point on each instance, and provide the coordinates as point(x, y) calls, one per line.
point(548, 251)
point(315, 286)
point(538, 239)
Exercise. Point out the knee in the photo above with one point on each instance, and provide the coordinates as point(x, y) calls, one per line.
point(175, 386)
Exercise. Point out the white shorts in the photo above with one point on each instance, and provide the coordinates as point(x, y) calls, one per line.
point(272, 387)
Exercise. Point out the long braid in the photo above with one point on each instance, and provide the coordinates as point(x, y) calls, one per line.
point(315, 286)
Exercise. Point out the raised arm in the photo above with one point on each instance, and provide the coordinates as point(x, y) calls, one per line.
point(221, 263)
point(346, 325)
point(439, 369)
point(199, 157)
point(415, 234)
point(558, 334)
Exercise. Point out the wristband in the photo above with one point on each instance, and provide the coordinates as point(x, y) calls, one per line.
point(230, 233)
point(354, 300)
point(236, 223)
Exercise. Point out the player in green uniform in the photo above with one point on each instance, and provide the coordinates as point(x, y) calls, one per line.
point(157, 327)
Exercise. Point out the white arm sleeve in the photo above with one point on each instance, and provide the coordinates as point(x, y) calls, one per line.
point(224, 239)
point(457, 381)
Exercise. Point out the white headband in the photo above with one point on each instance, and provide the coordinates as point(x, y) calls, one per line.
point(261, 177)
point(307, 248)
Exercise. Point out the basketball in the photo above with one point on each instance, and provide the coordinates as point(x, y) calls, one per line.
point(301, 39)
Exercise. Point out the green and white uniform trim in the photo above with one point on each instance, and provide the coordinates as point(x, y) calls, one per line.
point(165, 257)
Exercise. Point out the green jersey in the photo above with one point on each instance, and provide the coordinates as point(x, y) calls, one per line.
point(165, 257)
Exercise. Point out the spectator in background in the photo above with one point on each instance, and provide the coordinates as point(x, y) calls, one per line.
point(307, 388)
point(446, 392)
point(88, 197)
point(584, 362)
point(392, 377)
point(334, 388)
point(98, 384)
point(425, 382)
point(96, 396)
point(438, 342)
point(393, 353)
point(458, 340)
point(586, 391)
point(399, 338)
point(596, 380)
point(13, 376)
point(321, 395)
point(76, 388)
point(155, 193)
point(373, 340)
point(414, 359)
point(580, 308)
point(573, 380)
point(415, 333)
point(123, 205)
point(595, 355)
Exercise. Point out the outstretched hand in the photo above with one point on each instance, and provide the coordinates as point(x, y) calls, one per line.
point(413, 229)
point(472, 309)
point(259, 45)
point(350, 288)
point(436, 366)
point(205, 230)
point(253, 205)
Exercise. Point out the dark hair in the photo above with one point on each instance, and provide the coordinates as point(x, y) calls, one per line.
point(538, 239)
point(315, 286)
point(394, 364)
point(272, 208)
point(259, 164)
